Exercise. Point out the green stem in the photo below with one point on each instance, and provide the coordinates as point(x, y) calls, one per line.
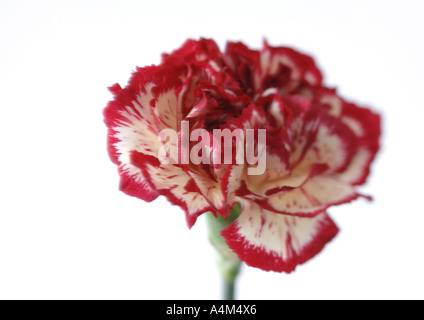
point(228, 262)
point(229, 289)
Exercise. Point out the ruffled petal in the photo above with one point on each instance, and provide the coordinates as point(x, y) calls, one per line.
point(314, 197)
point(135, 185)
point(245, 66)
point(275, 242)
point(135, 117)
point(175, 184)
point(230, 183)
point(365, 126)
point(287, 69)
point(311, 142)
point(192, 52)
point(209, 188)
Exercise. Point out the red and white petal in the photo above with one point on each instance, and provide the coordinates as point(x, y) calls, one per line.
point(275, 242)
point(131, 124)
point(320, 143)
point(135, 184)
point(134, 122)
point(252, 117)
point(210, 189)
point(165, 110)
point(200, 108)
point(302, 68)
point(174, 183)
point(193, 51)
point(333, 144)
point(280, 112)
point(230, 183)
point(367, 127)
point(359, 168)
point(134, 134)
point(328, 97)
point(245, 64)
point(313, 198)
point(126, 137)
point(129, 131)
point(275, 176)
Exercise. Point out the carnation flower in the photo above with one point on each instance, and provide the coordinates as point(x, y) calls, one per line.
point(318, 146)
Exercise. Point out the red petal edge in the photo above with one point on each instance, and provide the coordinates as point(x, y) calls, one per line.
point(258, 257)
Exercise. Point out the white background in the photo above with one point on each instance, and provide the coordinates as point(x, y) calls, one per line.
point(66, 232)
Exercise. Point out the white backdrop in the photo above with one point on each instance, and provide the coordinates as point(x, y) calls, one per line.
point(66, 232)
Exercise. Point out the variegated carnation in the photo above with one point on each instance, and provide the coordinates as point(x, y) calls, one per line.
point(319, 147)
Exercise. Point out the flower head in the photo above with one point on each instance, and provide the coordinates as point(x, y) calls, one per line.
point(318, 146)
